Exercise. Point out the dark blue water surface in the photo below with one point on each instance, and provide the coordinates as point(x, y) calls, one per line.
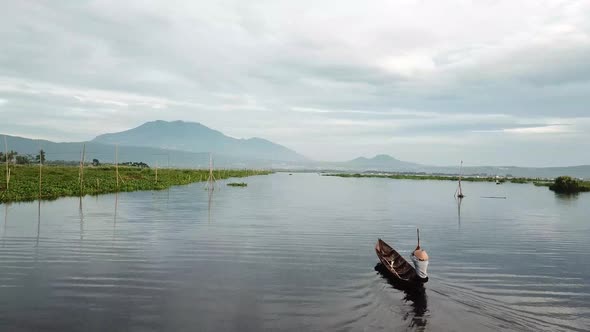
point(296, 253)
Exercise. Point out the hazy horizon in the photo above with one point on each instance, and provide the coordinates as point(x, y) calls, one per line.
point(491, 83)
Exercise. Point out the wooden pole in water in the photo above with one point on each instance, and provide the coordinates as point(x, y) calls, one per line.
point(117, 165)
point(79, 168)
point(82, 168)
point(6, 157)
point(459, 189)
point(40, 173)
point(418, 232)
point(460, 175)
point(211, 180)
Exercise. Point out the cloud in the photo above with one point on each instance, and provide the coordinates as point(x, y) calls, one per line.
point(385, 76)
point(549, 129)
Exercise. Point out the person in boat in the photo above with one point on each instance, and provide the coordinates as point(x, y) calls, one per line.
point(420, 259)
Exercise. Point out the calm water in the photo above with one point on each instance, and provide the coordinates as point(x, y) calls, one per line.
point(296, 253)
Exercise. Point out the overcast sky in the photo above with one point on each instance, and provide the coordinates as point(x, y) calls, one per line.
point(490, 82)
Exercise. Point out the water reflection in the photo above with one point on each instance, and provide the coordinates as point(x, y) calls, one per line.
point(38, 222)
point(459, 200)
point(115, 216)
point(302, 259)
point(415, 295)
point(567, 198)
point(5, 222)
point(81, 214)
point(209, 205)
point(116, 206)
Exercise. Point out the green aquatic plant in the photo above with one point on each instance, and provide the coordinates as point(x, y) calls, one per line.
point(237, 184)
point(569, 185)
point(442, 177)
point(419, 177)
point(61, 181)
point(520, 180)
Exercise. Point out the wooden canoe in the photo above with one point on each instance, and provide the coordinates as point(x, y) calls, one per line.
point(400, 269)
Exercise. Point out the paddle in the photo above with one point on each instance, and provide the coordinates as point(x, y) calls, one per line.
point(418, 233)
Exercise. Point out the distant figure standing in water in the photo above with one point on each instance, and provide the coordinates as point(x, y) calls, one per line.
point(420, 259)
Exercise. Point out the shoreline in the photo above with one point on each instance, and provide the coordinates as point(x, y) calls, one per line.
point(468, 178)
point(561, 185)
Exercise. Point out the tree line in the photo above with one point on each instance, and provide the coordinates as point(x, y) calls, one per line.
point(24, 159)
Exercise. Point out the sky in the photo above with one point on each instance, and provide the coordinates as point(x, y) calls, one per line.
point(435, 82)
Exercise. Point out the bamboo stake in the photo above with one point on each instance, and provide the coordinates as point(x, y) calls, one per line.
point(79, 168)
point(6, 157)
point(82, 169)
point(40, 174)
point(117, 165)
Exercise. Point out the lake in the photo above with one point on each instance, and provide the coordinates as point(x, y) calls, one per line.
point(296, 253)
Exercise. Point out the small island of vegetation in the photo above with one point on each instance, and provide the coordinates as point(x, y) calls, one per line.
point(237, 184)
point(569, 185)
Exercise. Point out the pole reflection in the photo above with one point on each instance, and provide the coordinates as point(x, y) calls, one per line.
point(459, 200)
point(5, 222)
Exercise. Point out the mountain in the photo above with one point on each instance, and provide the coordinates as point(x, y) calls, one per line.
point(185, 144)
point(381, 162)
point(195, 137)
point(105, 153)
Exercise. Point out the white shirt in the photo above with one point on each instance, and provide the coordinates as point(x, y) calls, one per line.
point(420, 266)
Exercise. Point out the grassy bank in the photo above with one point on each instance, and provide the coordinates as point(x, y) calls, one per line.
point(61, 181)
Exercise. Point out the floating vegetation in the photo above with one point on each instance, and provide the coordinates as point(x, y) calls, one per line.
point(433, 177)
point(562, 184)
point(521, 180)
point(62, 181)
point(237, 184)
point(569, 185)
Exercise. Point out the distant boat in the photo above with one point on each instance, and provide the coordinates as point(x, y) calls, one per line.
point(459, 191)
point(397, 266)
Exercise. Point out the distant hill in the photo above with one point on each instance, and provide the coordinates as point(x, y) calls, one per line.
point(105, 153)
point(187, 144)
point(386, 163)
point(195, 137)
point(380, 162)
